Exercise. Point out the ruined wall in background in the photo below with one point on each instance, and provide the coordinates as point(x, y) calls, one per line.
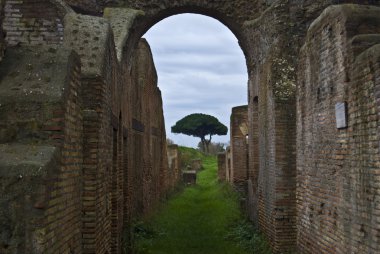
point(239, 148)
point(228, 164)
point(337, 133)
point(222, 167)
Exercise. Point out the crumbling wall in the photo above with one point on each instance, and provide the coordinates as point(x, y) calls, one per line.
point(337, 132)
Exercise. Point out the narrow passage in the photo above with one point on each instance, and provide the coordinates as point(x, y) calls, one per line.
point(196, 221)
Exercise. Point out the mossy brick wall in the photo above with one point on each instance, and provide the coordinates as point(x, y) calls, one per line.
point(338, 169)
point(239, 148)
point(32, 22)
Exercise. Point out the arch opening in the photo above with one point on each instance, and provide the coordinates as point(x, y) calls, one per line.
point(200, 67)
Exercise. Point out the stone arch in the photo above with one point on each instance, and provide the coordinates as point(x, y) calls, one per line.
point(129, 25)
point(261, 49)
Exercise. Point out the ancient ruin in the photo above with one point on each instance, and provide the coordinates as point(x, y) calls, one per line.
point(82, 137)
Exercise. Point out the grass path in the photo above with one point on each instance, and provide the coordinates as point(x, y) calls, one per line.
point(196, 221)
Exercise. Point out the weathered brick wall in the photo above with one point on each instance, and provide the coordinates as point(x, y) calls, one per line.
point(154, 141)
point(42, 131)
point(239, 148)
point(228, 165)
point(338, 167)
point(99, 214)
point(253, 159)
point(33, 22)
point(222, 167)
point(272, 174)
point(104, 136)
point(174, 170)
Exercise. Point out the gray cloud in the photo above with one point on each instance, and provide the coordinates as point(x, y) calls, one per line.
point(201, 69)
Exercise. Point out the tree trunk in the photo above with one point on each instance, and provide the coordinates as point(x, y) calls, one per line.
point(207, 143)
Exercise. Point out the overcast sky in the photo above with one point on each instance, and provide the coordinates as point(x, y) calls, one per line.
point(201, 69)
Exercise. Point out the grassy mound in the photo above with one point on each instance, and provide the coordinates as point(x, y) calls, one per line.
point(188, 154)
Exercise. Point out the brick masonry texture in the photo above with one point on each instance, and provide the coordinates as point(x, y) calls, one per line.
point(338, 169)
point(83, 190)
point(32, 22)
point(82, 139)
point(173, 168)
point(222, 168)
point(239, 148)
point(42, 130)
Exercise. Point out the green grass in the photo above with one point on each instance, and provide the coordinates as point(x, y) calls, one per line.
point(187, 154)
point(203, 219)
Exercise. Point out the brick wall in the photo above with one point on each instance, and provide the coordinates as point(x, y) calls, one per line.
point(173, 169)
point(101, 135)
point(222, 167)
point(338, 168)
point(63, 231)
point(42, 108)
point(32, 22)
point(253, 158)
point(239, 148)
point(272, 174)
point(228, 165)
